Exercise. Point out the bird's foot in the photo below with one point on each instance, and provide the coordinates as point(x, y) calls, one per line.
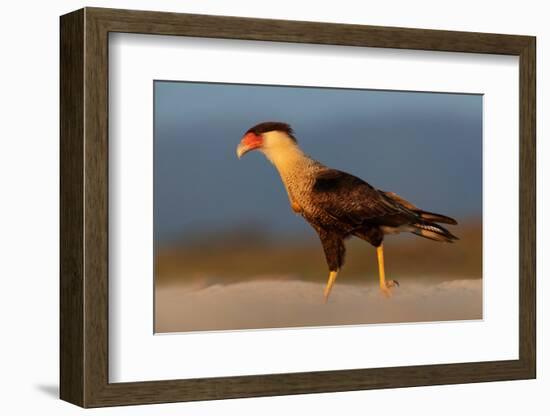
point(330, 283)
point(326, 294)
point(387, 286)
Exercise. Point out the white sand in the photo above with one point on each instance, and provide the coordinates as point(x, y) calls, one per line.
point(291, 303)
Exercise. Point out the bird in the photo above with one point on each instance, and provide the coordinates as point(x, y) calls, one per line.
point(339, 205)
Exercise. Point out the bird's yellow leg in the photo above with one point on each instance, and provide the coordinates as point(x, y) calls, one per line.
point(330, 283)
point(385, 286)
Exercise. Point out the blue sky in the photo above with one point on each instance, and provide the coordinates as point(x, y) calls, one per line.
point(427, 147)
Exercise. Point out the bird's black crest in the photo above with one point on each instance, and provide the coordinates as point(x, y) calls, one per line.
point(272, 126)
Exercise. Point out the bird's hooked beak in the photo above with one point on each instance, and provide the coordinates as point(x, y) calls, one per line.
point(249, 142)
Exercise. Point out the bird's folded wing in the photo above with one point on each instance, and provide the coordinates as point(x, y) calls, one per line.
point(349, 199)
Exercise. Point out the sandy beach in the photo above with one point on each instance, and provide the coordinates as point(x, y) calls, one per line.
point(276, 302)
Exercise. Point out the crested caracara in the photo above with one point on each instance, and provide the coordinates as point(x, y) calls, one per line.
point(339, 205)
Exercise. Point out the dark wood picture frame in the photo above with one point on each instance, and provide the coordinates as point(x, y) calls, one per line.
point(84, 207)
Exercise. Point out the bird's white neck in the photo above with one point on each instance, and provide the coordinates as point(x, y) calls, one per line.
point(284, 153)
point(287, 160)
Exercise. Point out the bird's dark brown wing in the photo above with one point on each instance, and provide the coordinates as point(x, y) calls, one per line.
point(352, 201)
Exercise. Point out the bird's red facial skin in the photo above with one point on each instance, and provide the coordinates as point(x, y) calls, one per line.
point(251, 141)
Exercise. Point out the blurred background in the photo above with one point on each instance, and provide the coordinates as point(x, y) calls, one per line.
point(230, 253)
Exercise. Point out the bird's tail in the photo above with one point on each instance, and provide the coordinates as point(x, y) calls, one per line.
point(433, 231)
point(433, 217)
point(426, 223)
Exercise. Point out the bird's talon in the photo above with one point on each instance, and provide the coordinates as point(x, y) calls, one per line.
point(387, 286)
point(386, 291)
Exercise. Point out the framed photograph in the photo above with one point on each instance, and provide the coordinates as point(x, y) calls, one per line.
point(254, 207)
